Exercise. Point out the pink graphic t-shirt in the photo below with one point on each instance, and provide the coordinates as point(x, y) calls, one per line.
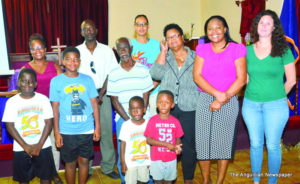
point(165, 131)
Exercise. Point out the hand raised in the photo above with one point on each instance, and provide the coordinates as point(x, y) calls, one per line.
point(164, 46)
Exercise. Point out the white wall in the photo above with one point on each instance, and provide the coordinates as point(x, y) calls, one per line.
point(182, 12)
point(159, 13)
point(275, 5)
point(232, 13)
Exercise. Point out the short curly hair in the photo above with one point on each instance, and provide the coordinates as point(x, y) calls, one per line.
point(165, 92)
point(71, 49)
point(28, 71)
point(172, 26)
point(279, 44)
point(137, 99)
point(37, 36)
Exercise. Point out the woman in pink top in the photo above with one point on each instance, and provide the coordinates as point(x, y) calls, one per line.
point(45, 71)
point(220, 73)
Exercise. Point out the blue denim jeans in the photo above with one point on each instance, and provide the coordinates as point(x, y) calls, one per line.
point(265, 119)
point(119, 124)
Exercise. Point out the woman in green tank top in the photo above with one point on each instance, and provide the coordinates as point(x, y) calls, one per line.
point(265, 109)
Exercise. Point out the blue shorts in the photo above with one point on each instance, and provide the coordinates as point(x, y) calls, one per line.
point(160, 170)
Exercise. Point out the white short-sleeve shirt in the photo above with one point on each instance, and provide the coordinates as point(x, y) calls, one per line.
point(104, 61)
point(28, 116)
point(137, 151)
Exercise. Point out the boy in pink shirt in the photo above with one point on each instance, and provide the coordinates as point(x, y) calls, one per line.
point(163, 133)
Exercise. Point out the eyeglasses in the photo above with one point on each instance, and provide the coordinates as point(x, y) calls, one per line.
point(141, 24)
point(175, 36)
point(92, 67)
point(37, 48)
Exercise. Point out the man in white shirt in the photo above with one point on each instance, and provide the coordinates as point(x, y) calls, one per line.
point(97, 60)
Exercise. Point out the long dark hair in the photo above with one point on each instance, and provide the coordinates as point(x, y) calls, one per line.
point(222, 19)
point(279, 44)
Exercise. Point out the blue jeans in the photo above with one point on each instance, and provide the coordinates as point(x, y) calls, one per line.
point(119, 124)
point(265, 119)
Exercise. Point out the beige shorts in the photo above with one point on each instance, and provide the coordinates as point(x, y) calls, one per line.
point(135, 174)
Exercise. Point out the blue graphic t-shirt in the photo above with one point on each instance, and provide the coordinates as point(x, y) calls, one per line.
point(146, 54)
point(75, 107)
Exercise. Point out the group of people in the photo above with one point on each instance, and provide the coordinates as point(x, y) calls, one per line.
point(165, 95)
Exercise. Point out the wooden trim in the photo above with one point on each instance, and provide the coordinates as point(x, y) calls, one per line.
point(19, 57)
point(8, 93)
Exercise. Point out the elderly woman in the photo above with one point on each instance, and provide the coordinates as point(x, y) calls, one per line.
point(220, 72)
point(174, 68)
point(265, 109)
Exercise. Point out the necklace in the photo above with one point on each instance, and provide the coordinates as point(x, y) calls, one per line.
point(181, 59)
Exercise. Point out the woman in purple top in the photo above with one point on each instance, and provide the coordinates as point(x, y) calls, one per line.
point(220, 73)
point(45, 71)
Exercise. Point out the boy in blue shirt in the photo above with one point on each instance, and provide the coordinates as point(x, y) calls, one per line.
point(73, 96)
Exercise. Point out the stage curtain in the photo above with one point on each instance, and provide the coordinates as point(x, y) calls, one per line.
point(52, 19)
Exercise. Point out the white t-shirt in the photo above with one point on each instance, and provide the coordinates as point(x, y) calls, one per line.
point(137, 151)
point(28, 116)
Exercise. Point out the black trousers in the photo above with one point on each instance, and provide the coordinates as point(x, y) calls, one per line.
point(188, 155)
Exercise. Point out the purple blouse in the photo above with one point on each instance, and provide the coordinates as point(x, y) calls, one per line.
point(44, 79)
point(219, 68)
